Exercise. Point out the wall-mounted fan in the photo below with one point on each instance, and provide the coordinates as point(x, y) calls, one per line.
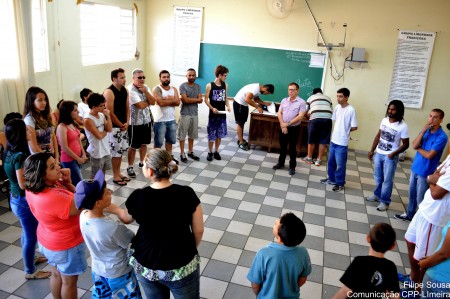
point(279, 8)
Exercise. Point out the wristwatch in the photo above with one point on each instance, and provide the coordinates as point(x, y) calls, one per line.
point(289, 123)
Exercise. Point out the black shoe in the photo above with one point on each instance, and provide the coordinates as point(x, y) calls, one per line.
point(183, 158)
point(403, 217)
point(141, 164)
point(277, 166)
point(210, 157)
point(291, 171)
point(217, 156)
point(175, 160)
point(193, 156)
point(130, 172)
point(338, 188)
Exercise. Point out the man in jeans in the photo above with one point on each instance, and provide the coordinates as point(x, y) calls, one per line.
point(344, 117)
point(429, 145)
point(393, 129)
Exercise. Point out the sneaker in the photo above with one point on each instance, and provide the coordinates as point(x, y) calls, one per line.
point(382, 207)
point(175, 160)
point(317, 162)
point(141, 164)
point(403, 217)
point(277, 166)
point(338, 188)
point(130, 172)
point(193, 156)
point(372, 198)
point(327, 182)
point(183, 158)
point(308, 160)
point(291, 171)
point(210, 157)
point(217, 156)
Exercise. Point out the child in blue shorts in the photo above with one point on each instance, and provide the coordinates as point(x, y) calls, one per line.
point(281, 268)
point(107, 240)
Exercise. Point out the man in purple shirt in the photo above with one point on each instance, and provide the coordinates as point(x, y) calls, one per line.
point(291, 113)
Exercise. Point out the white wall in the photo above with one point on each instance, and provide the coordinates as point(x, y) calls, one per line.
point(372, 25)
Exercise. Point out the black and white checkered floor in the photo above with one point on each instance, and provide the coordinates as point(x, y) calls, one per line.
point(241, 197)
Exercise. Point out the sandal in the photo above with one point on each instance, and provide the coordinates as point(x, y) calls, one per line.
point(38, 274)
point(243, 146)
point(39, 260)
point(125, 178)
point(120, 182)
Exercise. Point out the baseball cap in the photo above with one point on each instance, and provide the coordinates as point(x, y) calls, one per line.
point(87, 192)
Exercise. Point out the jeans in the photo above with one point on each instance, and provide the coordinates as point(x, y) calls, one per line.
point(20, 208)
point(433, 288)
point(337, 163)
point(186, 288)
point(75, 171)
point(165, 130)
point(417, 188)
point(384, 172)
point(289, 139)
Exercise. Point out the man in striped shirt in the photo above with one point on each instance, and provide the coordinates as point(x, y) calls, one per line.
point(320, 111)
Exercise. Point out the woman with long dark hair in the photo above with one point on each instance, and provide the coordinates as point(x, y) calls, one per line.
point(15, 155)
point(36, 115)
point(68, 135)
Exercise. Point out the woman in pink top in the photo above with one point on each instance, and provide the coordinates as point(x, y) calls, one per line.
point(72, 151)
point(49, 193)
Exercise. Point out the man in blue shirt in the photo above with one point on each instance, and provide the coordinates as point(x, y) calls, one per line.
point(429, 145)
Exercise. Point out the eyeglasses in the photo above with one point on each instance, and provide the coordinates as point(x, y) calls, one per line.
point(290, 89)
point(141, 77)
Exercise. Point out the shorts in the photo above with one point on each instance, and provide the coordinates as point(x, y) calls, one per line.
point(424, 235)
point(240, 113)
point(125, 286)
point(103, 163)
point(217, 128)
point(319, 131)
point(69, 262)
point(139, 135)
point(165, 130)
point(118, 142)
point(188, 125)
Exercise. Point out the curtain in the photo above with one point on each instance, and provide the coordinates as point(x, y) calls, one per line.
point(13, 88)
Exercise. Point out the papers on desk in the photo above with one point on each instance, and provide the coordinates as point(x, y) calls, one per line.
point(271, 108)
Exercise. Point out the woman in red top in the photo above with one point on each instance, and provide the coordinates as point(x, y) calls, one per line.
point(49, 193)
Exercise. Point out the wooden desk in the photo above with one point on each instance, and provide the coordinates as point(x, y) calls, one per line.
point(265, 130)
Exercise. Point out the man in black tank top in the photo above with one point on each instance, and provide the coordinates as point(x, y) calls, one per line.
point(216, 100)
point(117, 99)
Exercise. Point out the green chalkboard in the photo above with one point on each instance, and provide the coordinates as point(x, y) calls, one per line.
point(260, 65)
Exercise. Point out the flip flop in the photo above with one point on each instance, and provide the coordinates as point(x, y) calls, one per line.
point(125, 178)
point(120, 182)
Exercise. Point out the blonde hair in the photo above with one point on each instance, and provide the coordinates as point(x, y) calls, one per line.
point(161, 162)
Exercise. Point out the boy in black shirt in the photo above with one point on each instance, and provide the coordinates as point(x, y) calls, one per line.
point(372, 276)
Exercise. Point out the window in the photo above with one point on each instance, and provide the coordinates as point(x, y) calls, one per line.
point(40, 37)
point(9, 59)
point(107, 34)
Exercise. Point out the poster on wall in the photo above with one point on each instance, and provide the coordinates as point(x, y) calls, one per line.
point(186, 38)
point(412, 61)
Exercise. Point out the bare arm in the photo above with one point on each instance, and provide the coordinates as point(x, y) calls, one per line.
point(374, 145)
point(186, 100)
point(20, 178)
point(256, 288)
point(90, 126)
point(437, 192)
point(342, 293)
point(207, 91)
point(122, 214)
point(55, 146)
point(417, 142)
point(226, 98)
point(197, 225)
point(165, 101)
point(301, 281)
point(61, 131)
point(353, 129)
point(439, 256)
point(300, 116)
point(109, 97)
point(150, 99)
point(32, 142)
point(401, 149)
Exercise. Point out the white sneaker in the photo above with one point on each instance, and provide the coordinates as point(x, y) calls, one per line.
point(372, 198)
point(382, 207)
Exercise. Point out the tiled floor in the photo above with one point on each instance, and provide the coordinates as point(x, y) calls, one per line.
point(241, 197)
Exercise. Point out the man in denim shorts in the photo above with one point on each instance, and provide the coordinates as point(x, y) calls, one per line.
point(167, 99)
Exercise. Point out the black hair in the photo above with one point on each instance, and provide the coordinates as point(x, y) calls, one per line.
point(220, 70)
point(292, 230)
point(344, 91)
point(16, 137)
point(382, 237)
point(400, 109)
point(11, 116)
point(43, 118)
point(163, 72)
point(295, 84)
point(317, 90)
point(190, 70)
point(115, 73)
point(65, 109)
point(95, 100)
point(35, 169)
point(270, 88)
point(84, 93)
point(437, 110)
